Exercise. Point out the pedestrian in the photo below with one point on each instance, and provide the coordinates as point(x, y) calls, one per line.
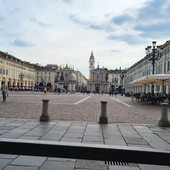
point(4, 89)
point(59, 90)
point(45, 90)
point(55, 90)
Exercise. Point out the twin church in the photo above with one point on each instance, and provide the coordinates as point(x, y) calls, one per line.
point(102, 80)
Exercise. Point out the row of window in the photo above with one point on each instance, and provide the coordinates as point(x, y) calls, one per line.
point(12, 73)
point(31, 70)
point(43, 73)
point(13, 65)
point(43, 78)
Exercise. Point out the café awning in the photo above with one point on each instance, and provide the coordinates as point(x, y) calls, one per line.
point(158, 79)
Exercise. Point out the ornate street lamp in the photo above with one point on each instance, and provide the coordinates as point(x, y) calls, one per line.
point(122, 76)
point(153, 54)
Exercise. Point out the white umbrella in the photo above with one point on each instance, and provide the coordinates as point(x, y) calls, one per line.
point(153, 79)
point(159, 79)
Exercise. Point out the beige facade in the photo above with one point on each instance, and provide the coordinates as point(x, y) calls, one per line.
point(116, 79)
point(16, 73)
point(57, 79)
point(81, 82)
point(45, 77)
point(24, 75)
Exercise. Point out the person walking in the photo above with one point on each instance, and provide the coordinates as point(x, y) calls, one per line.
point(45, 90)
point(4, 89)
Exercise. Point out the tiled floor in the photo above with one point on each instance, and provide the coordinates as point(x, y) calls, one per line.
point(125, 134)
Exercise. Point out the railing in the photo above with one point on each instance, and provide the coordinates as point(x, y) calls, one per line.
point(85, 151)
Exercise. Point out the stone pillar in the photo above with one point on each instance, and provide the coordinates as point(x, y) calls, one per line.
point(163, 122)
point(44, 116)
point(103, 117)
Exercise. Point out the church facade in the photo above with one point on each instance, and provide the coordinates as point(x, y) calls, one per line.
point(102, 80)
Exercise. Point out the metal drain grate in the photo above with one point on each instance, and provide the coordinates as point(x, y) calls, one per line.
point(116, 163)
point(113, 163)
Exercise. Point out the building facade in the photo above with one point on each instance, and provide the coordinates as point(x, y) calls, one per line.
point(144, 67)
point(66, 79)
point(17, 74)
point(81, 85)
point(102, 80)
point(26, 76)
point(69, 80)
point(116, 80)
point(46, 77)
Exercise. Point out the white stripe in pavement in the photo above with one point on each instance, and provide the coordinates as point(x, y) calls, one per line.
point(81, 100)
point(121, 102)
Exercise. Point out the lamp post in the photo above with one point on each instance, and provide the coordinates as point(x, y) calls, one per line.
point(21, 76)
point(153, 53)
point(122, 76)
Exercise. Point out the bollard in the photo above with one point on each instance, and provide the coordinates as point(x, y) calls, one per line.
point(44, 116)
point(163, 122)
point(103, 117)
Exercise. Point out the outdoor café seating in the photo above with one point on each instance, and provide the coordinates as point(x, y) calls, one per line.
point(149, 98)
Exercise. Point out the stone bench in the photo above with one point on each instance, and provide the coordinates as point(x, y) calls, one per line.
point(98, 152)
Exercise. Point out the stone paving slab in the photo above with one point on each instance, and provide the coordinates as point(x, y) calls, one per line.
point(145, 135)
point(29, 161)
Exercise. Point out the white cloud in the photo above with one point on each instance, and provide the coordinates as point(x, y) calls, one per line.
point(60, 31)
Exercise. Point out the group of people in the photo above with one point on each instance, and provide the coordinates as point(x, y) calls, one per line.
point(4, 89)
point(149, 98)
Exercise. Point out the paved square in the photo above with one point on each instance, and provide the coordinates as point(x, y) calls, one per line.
point(74, 118)
point(79, 107)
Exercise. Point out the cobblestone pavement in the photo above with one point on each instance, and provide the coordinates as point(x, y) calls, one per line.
point(79, 107)
point(74, 118)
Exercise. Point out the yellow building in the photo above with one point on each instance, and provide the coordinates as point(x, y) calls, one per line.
point(46, 76)
point(23, 75)
point(17, 73)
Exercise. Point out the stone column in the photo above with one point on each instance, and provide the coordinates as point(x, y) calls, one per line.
point(44, 116)
point(163, 122)
point(103, 117)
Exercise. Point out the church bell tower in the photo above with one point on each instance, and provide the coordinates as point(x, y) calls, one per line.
point(91, 64)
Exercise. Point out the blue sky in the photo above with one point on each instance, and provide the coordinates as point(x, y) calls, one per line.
point(66, 31)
